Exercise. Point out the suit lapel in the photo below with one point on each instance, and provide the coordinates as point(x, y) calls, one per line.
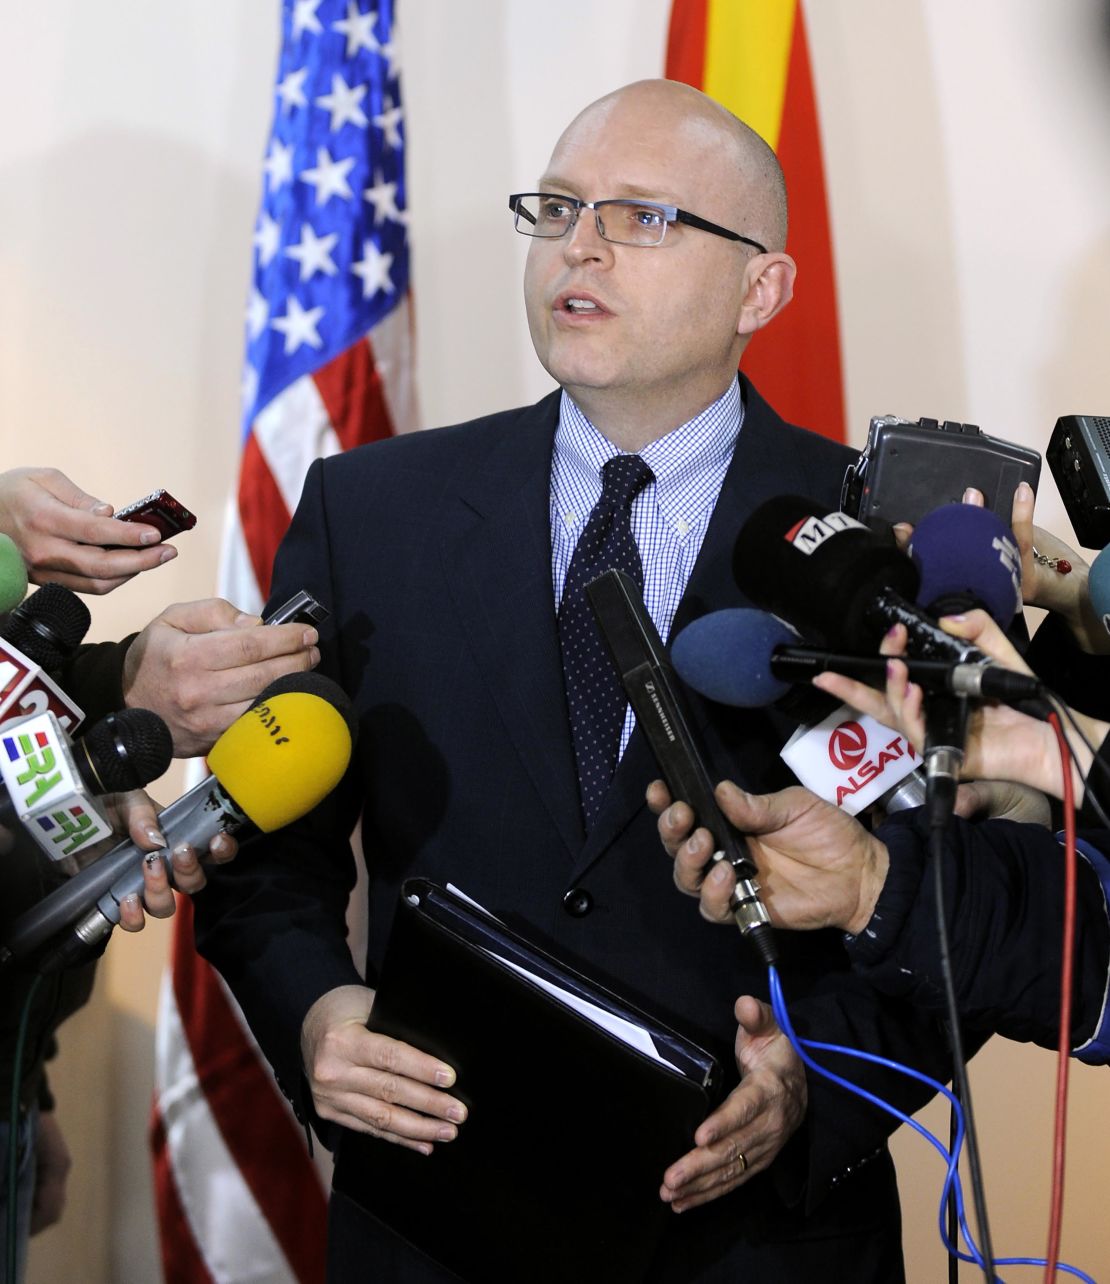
point(499, 569)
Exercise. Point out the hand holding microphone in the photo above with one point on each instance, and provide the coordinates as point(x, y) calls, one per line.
point(274, 764)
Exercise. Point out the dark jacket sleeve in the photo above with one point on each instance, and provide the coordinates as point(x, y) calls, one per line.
point(93, 676)
point(273, 922)
point(1003, 891)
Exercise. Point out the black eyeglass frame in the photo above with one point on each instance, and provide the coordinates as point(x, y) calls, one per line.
point(671, 213)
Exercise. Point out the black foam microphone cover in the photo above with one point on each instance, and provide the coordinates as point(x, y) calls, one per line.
point(819, 571)
point(48, 626)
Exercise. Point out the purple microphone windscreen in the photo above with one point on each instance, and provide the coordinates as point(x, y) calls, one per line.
point(1098, 586)
point(819, 570)
point(967, 557)
point(726, 656)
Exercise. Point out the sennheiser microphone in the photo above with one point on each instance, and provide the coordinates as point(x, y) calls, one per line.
point(50, 784)
point(271, 766)
point(645, 671)
point(38, 636)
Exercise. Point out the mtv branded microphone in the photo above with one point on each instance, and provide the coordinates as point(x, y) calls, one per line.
point(274, 764)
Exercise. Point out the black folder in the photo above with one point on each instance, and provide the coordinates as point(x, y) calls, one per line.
point(555, 1175)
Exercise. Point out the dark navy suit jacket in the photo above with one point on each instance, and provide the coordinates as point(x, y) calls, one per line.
point(433, 553)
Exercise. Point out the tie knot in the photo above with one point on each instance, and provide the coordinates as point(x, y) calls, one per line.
point(622, 479)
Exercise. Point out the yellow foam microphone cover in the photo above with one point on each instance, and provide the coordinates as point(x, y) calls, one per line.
point(282, 757)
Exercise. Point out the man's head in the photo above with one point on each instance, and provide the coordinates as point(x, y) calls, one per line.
point(669, 322)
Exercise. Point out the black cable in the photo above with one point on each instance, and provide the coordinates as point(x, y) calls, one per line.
point(1089, 796)
point(13, 1134)
point(959, 1064)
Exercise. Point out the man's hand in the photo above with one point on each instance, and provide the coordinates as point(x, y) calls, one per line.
point(372, 1083)
point(62, 533)
point(744, 1134)
point(52, 1165)
point(200, 664)
point(818, 866)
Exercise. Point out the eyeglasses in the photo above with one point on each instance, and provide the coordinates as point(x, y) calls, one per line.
point(621, 221)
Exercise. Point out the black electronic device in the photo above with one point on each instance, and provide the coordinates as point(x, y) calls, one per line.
point(1078, 457)
point(910, 467)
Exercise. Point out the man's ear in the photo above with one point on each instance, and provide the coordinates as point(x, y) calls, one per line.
point(770, 287)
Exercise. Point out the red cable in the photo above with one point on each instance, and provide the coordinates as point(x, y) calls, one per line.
point(1063, 1059)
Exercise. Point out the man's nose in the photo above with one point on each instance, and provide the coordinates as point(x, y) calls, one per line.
point(584, 243)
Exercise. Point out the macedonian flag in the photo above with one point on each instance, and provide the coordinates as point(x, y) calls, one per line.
point(752, 56)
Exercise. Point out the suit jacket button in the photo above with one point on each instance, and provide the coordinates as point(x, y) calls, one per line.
point(578, 902)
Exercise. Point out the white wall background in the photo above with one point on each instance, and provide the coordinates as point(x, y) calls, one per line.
point(967, 149)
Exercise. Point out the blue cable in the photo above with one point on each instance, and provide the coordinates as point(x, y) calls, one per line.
point(952, 1176)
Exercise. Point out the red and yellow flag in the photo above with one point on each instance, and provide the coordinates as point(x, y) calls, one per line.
point(753, 58)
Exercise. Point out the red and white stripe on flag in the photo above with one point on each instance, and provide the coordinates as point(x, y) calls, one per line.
point(329, 366)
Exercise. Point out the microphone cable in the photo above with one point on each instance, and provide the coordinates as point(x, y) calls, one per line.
point(803, 1047)
point(12, 1227)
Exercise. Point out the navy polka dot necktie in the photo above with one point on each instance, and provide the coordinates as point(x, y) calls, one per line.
point(595, 697)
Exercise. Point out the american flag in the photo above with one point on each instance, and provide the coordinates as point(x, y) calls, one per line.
point(328, 366)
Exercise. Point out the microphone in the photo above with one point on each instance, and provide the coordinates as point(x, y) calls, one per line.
point(830, 575)
point(274, 764)
point(750, 659)
point(40, 634)
point(1098, 586)
point(50, 783)
point(13, 574)
point(967, 557)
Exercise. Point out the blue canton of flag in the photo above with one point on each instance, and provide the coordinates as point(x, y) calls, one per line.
point(331, 247)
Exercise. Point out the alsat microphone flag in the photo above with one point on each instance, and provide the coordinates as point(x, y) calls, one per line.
point(752, 56)
point(329, 365)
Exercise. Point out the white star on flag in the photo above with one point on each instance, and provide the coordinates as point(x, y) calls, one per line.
point(313, 252)
point(299, 326)
point(279, 164)
point(248, 386)
point(304, 17)
point(329, 177)
point(267, 238)
point(291, 90)
point(373, 269)
point(258, 313)
point(343, 103)
point(389, 121)
point(358, 28)
point(383, 197)
point(391, 51)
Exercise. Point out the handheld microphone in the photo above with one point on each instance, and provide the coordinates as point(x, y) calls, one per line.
point(830, 575)
point(750, 659)
point(967, 557)
point(640, 658)
point(40, 634)
point(1098, 587)
point(51, 783)
point(13, 574)
point(274, 764)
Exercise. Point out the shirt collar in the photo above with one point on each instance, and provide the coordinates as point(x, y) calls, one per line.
point(689, 463)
